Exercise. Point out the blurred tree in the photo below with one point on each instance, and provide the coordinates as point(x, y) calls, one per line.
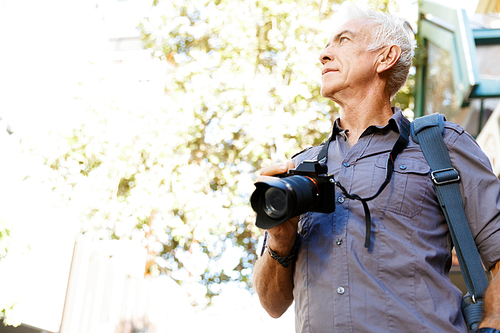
point(7, 301)
point(7, 305)
point(244, 80)
point(4, 239)
point(242, 91)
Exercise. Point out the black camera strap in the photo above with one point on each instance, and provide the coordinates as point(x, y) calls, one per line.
point(399, 146)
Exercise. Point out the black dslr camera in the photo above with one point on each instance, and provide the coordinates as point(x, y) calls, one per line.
point(307, 188)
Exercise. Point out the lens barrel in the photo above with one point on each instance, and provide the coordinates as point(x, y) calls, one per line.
point(277, 200)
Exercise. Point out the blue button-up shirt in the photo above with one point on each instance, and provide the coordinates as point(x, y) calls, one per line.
point(400, 283)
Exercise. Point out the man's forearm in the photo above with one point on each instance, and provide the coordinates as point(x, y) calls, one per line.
point(492, 301)
point(274, 285)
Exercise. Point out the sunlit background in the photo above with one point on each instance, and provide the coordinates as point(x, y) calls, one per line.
point(130, 132)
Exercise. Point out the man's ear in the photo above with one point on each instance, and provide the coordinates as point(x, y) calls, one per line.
point(388, 58)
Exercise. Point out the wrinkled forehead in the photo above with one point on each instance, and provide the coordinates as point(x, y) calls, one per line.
point(360, 27)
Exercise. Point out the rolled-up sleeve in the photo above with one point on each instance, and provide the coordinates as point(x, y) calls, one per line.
point(480, 190)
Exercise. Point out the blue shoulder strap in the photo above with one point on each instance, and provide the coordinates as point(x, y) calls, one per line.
point(428, 132)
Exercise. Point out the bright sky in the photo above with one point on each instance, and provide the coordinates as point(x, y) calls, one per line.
point(49, 45)
point(39, 60)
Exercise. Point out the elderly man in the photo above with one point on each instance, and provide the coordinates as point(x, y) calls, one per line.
point(391, 275)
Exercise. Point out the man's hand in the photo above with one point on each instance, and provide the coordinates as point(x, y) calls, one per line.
point(273, 282)
point(492, 301)
point(281, 237)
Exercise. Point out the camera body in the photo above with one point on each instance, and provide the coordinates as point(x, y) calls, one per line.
point(307, 188)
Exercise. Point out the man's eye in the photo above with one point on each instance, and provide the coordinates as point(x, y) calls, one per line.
point(343, 39)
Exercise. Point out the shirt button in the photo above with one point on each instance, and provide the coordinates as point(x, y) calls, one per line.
point(340, 199)
point(402, 167)
point(339, 241)
point(347, 164)
point(340, 290)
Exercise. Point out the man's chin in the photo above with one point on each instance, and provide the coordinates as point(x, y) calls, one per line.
point(328, 93)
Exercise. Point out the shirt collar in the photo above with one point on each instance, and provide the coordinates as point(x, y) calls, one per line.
point(394, 124)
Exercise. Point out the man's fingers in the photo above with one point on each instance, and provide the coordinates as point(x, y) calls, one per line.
point(274, 169)
point(277, 169)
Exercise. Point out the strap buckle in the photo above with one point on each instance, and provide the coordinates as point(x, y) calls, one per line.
point(445, 176)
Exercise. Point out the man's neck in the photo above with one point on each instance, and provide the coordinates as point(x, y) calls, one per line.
point(358, 117)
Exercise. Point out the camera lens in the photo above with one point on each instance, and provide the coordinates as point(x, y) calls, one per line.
point(306, 188)
point(275, 202)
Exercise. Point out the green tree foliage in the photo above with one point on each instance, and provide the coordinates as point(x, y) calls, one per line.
point(6, 305)
point(244, 78)
point(4, 239)
point(241, 91)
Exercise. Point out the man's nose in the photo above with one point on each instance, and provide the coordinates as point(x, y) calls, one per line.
point(326, 55)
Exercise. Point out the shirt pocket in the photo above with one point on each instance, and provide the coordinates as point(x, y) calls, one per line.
point(409, 185)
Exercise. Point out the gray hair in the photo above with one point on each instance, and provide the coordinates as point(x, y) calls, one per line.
point(390, 30)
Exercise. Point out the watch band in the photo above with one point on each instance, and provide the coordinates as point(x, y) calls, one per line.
point(285, 261)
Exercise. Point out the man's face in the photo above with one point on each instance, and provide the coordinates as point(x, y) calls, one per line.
point(348, 68)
